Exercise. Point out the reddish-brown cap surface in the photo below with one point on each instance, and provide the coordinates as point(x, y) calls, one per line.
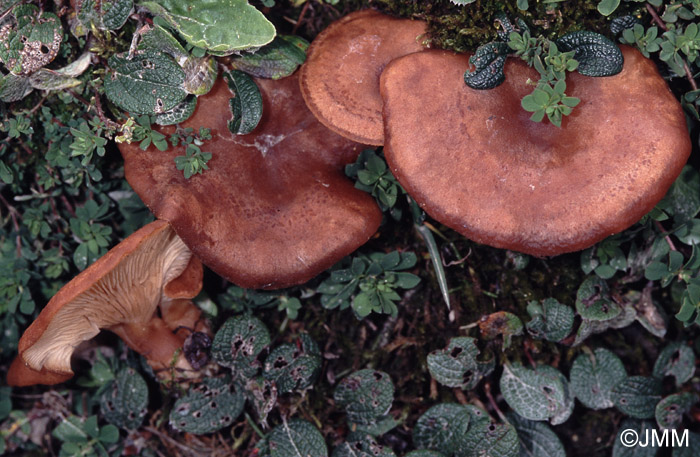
point(275, 208)
point(476, 162)
point(121, 289)
point(340, 79)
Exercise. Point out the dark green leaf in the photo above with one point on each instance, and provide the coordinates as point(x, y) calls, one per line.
point(489, 61)
point(238, 342)
point(457, 365)
point(207, 407)
point(278, 59)
point(637, 396)
point(149, 83)
point(442, 428)
point(294, 366)
point(246, 104)
point(365, 395)
point(593, 377)
point(670, 410)
point(536, 438)
point(677, 360)
point(124, 402)
point(596, 54)
point(296, 438)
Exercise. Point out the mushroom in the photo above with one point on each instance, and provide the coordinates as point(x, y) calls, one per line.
point(274, 208)
point(120, 292)
point(476, 162)
point(340, 78)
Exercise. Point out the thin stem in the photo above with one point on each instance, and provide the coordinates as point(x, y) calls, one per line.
point(492, 401)
point(253, 425)
point(666, 237)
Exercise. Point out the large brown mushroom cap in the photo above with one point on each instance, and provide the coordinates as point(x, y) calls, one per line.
point(120, 291)
point(275, 208)
point(340, 78)
point(475, 162)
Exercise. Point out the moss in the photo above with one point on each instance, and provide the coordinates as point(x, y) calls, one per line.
point(464, 28)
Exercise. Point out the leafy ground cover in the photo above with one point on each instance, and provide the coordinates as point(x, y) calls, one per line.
point(422, 342)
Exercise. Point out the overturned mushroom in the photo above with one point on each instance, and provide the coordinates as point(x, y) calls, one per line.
point(340, 79)
point(120, 292)
point(275, 208)
point(476, 162)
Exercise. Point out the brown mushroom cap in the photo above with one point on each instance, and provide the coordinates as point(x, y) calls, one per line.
point(120, 292)
point(340, 78)
point(275, 208)
point(476, 162)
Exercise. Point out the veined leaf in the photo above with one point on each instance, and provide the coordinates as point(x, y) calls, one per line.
point(221, 26)
point(246, 104)
point(150, 83)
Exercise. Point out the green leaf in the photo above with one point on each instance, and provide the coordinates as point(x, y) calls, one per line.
point(442, 428)
point(220, 27)
point(488, 438)
point(149, 83)
point(629, 434)
point(179, 114)
point(109, 434)
point(71, 429)
point(296, 438)
point(246, 104)
point(365, 395)
point(207, 407)
point(32, 41)
point(677, 360)
point(457, 364)
point(683, 198)
point(238, 342)
point(294, 366)
point(593, 301)
point(552, 320)
point(278, 59)
point(669, 411)
point(489, 61)
point(607, 7)
point(534, 394)
point(596, 54)
point(159, 39)
point(425, 453)
point(593, 377)
point(14, 88)
point(125, 399)
point(536, 438)
point(435, 259)
point(200, 74)
point(104, 14)
point(637, 396)
point(361, 445)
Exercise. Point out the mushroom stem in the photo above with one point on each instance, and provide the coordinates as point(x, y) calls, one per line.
point(183, 314)
point(156, 342)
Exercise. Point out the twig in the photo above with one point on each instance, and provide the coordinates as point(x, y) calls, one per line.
point(110, 124)
point(300, 18)
point(666, 237)
point(492, 401)
point(174, 442)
